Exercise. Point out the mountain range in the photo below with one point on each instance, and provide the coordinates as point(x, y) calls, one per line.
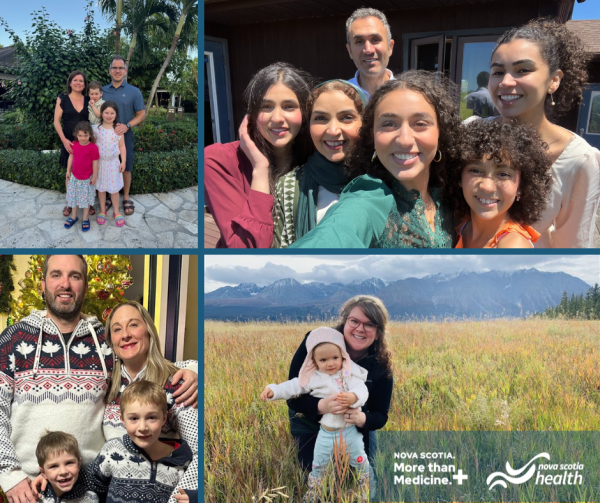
point(474, 295)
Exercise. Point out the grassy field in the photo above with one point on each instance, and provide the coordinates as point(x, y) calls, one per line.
point(490, 375)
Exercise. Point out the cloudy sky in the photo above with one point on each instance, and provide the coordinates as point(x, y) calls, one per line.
point(232, 270)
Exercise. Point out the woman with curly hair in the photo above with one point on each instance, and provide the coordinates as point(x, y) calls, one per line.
point(240, 177)
point(363, 321)
point(499, 186)
point(537, 72)
point(304, 195)
point(396, 200)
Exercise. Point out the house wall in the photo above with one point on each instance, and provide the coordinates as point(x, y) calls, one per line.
point(317, 45)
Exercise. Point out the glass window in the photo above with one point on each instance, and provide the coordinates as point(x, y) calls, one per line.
point(427, 57)
point(475, 72)
point(594, 121)
point(427, 53)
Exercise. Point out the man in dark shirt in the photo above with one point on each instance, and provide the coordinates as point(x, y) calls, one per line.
point(480, 101)
point(130, 102)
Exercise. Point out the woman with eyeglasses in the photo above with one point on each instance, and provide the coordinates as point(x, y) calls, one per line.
point(363, 321)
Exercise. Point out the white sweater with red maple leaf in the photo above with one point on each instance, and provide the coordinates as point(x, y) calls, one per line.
point(47, 384)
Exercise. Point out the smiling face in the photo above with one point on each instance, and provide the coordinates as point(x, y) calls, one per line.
point(77, 83)
point(334, 124)
point(143, 422)
point(129, 335)
point(118, 71)
point(520, 80)
point(369, 47)
point(280, 118)
point(64, 286)
point(109, 115)
point(328, 358)
point(406, 136)
point(61, 470)
point(360, 338)
point(490, 189)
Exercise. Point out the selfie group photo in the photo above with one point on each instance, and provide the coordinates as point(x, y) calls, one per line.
point(447, 133)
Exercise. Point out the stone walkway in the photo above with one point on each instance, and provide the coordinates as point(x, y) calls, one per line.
point(32, 218)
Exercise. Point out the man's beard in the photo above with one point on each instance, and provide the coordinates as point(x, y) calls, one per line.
point(64, 312)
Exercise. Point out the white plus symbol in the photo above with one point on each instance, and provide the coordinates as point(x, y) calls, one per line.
point(460, 477)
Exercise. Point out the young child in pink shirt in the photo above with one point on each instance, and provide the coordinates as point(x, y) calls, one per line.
point(82, 172)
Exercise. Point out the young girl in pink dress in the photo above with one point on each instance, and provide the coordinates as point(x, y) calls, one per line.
point(110, 176)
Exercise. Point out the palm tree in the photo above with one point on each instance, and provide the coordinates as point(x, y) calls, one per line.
point(142, 16)
point(114, 10)
point(188, 15)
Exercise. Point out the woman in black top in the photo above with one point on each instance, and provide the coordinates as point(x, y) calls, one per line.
point(363, 320)
point(72, 108)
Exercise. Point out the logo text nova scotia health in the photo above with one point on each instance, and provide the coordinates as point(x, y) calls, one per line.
point(557, 474)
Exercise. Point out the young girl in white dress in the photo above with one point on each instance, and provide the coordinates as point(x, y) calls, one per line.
point(110, 175)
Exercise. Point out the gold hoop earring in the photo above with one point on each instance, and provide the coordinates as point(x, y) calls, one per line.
point(374, 156)
point(440, 158)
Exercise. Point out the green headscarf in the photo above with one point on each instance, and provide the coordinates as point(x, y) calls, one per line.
point(320, 172)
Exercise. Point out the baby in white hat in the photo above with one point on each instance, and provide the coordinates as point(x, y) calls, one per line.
point(328, 370)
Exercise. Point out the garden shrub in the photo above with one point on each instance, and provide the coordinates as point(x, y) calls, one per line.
point(28, 136)
point(152, 171)
point(166, 136)
point(156, 134)
point(47, 57)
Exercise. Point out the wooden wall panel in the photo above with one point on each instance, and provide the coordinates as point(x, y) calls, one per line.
point(317, 45)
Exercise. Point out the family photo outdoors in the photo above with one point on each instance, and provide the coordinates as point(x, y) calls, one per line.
point(314, 363)
point(103, 116)
point(92, 411)
point(391, 160)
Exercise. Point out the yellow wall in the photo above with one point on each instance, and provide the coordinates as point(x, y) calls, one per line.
point(190, 350)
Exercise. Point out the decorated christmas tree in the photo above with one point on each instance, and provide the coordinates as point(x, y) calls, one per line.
point(7, 267)
point(108, 278)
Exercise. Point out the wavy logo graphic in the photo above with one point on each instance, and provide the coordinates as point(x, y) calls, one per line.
point(514, 476)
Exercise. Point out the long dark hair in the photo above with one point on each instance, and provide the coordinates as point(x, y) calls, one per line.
point(441, 94)
point(113, 105)
point(562, 50)
point(300, 83)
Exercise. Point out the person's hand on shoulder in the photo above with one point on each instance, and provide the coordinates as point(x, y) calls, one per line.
point(21, 493)
point(188, 390)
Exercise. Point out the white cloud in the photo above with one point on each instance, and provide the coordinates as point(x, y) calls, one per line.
point(222, 270)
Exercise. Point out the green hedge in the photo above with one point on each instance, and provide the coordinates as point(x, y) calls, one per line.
point(165, 137)
point(29, 136)
point(153, 135)
point(152, 171)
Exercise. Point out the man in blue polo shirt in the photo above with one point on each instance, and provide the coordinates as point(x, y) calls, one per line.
point(131, 106)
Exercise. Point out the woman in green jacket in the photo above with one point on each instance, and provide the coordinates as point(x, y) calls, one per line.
point(407, 137)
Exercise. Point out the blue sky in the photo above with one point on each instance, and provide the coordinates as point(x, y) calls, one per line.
point(67, 14)
point(590, 9)
point(223, 270)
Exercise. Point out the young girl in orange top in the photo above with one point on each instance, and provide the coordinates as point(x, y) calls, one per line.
point(501, 185)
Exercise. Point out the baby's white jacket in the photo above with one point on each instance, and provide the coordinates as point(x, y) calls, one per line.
point(322, 385)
